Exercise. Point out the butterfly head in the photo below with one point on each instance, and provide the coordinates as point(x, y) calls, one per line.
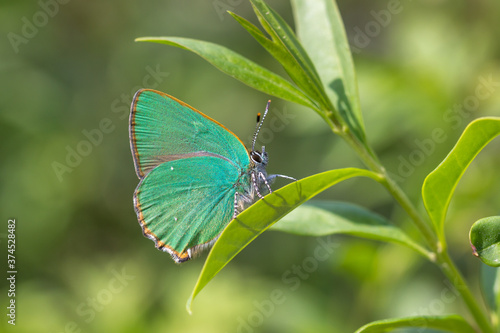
point(260, 159)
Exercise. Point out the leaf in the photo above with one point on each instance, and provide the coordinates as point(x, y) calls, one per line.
point(321, 31)
point(291, 54)
point(484, 238)
point(293, 68)
point(260, 216)
point(440, 184)
point(490, 286)
point(321, 218)
point(238, 67)
point(271, 46)
point(448, 323)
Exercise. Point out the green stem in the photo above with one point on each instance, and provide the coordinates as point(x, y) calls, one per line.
point(440, 254)
point(371, 161)
point(427, 231)
point(450, 270)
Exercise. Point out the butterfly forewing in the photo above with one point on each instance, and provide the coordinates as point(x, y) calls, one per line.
point(163, 128)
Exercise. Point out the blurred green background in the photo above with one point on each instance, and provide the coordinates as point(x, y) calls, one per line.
point(69, 67)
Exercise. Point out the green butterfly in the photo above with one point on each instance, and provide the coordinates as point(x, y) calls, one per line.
point(195, 174)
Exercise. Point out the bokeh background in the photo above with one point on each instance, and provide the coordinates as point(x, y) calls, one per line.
point(83, 264)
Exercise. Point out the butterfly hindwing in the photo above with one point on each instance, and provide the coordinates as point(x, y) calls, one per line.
point(185, 203)
point(162, 129)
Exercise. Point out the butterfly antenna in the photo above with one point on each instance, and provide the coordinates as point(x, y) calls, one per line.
point(260, 121)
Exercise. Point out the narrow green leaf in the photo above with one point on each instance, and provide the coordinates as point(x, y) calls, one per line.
point(293, 56)
point(238, 67)
point(291, 66)
point(490, 287)
point(321, 31)
point(272, 47)
point(484, 238)
point(280, 54)
point(321, 218)
point(448, 323)
point(440, 184)
point(282, 33)
point(260, 216)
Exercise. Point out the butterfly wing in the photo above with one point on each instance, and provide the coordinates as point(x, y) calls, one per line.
point(190, 168)
point(184, 204)
point(163, 129)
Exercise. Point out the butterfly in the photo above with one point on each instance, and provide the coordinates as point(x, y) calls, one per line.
point(195, 174)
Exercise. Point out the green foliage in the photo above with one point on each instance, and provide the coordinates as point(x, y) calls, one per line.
point(67, 82)
point(490, 286)
point(259, 217)
point(321, 218)
point(321, 69)
point(440, 184)
point(322, 34)
point(485, 240)
point(450, 323)
point(238, 67)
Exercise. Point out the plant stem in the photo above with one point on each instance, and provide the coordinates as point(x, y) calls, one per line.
point(371, 161)
point(450, 270)
point(440, 254)
point(427, 232)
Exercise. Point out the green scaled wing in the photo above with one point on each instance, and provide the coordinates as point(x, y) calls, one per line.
point(185, 204)
point(163, 128)
point(190, 168)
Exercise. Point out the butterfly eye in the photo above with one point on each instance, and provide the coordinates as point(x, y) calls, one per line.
point(256, 157)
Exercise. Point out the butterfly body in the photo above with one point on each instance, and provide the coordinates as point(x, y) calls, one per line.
point(195, 175)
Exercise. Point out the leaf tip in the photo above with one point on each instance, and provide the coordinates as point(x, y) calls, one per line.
point(188, 306)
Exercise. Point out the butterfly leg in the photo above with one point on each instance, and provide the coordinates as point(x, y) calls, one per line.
point(265, 179)
point(236, 205)
point(255, 186)
point(240, 199)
